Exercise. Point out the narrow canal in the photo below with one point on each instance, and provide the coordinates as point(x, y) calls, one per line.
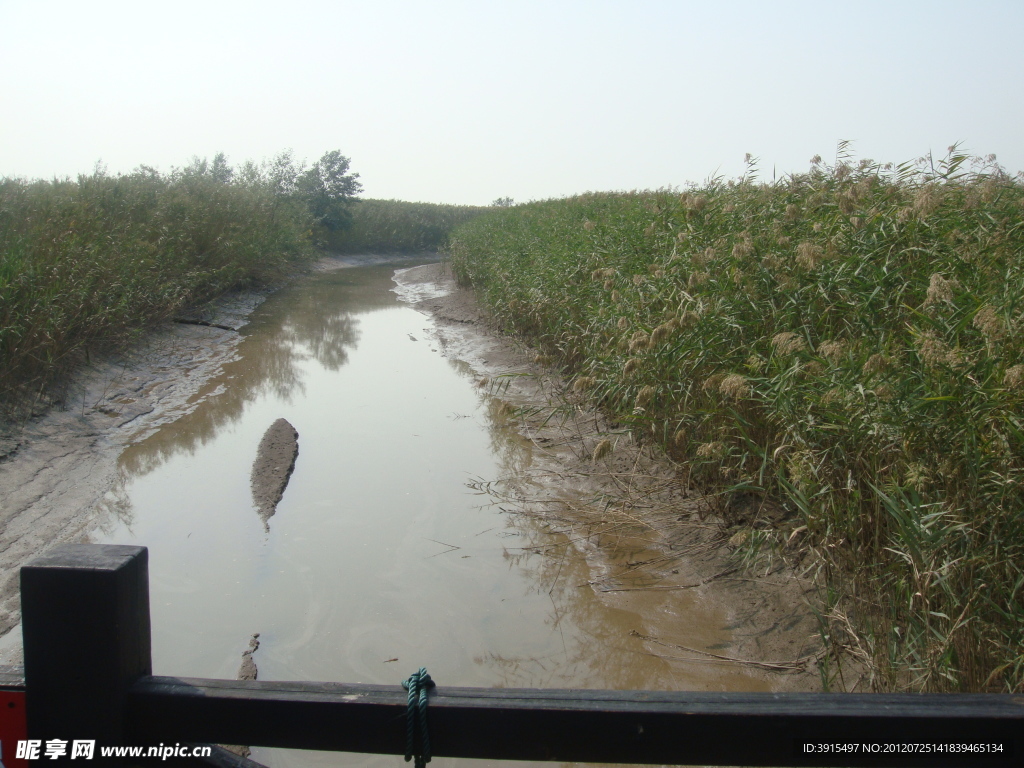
point(379, 558)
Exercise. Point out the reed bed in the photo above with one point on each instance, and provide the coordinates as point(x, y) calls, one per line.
point(101, 258)
point(847, 343)
point(397, 226)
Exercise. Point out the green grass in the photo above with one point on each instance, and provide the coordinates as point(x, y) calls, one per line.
point(103, 257)
point(396, 226)
point(849, 341)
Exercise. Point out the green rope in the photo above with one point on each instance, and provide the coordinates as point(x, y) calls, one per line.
point(416, 715)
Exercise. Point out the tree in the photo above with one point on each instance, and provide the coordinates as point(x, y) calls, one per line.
point(220, 170)
point(329, 190)
point(199, 167)
point(281, 174)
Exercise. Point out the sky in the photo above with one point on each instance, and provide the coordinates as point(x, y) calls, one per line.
point(464, 102)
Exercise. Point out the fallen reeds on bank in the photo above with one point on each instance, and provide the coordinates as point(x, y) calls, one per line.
point(848, 342)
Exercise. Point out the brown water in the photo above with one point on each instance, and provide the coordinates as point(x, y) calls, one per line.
point(379, 559)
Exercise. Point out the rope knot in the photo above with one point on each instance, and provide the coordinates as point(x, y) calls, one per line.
point(416, 717)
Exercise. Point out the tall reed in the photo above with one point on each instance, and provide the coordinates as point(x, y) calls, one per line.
point(98, 258)
point(847, 341)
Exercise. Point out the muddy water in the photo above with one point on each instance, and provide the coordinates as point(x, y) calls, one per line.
point(380, 558)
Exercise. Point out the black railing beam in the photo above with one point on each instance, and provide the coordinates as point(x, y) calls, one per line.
point(662, 727)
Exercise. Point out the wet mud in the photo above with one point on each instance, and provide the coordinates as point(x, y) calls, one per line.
point(275, 462)
point(58, 468)
point(652, 546)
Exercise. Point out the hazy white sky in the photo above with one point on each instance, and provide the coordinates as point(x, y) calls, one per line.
point(463, 102)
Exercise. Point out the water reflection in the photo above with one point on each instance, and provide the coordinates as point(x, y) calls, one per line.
point(318, 320)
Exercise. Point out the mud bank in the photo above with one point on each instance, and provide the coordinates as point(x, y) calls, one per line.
point(58, 468)
point(275, 462)
point(653, 546)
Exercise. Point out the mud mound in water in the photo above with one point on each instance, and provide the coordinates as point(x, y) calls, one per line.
point(275, 460)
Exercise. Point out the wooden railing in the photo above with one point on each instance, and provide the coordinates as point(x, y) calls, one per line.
point(88, 674)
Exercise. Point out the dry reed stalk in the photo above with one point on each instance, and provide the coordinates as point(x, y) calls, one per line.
point(798, 665)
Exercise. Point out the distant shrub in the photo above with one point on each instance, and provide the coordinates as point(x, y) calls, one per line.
point(396, 226)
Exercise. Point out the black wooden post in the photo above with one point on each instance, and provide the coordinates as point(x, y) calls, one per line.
point(85, 623)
